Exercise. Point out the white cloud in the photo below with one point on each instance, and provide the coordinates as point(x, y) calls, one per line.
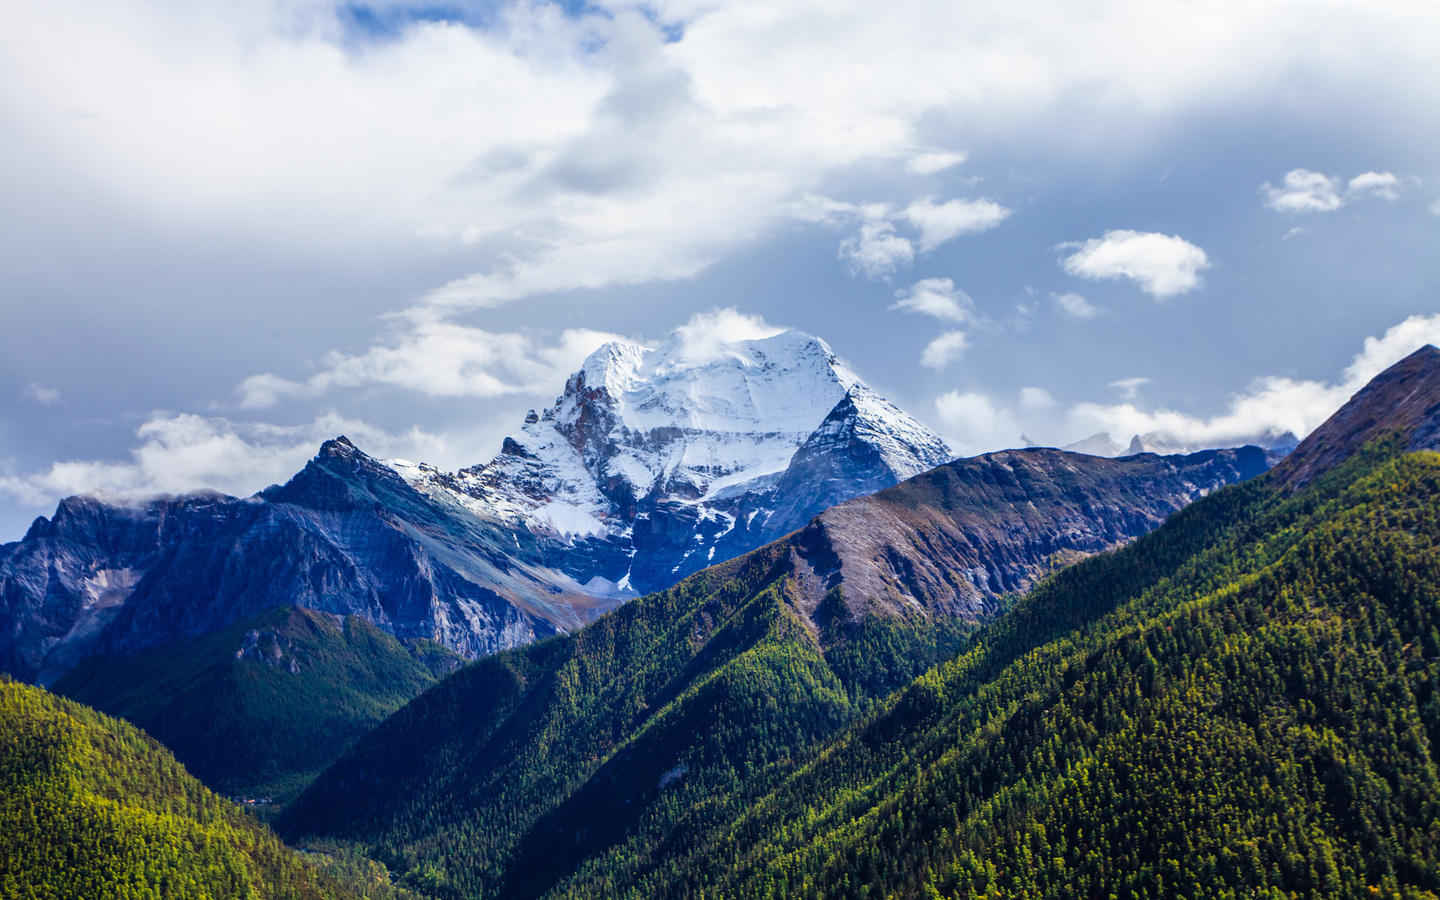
point(876, 251)
point(705, 336)
point(1076, 306)
point(1435, 207)
point(579, 150)
point(1270, 405)
point(938, 298)
point(1163, 265)
point(1036, 399)
point(972, 423)
point(182, 453)
point(1129, 387)
point(1377, 184)
point(944, 350)
point(440, 359)
point(1293, 232)
point(1304, 191)
point(39, 393)
point(941, 222)
point(931, 162)
point(444, 359)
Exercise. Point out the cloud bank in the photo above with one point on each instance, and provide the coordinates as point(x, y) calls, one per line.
point(1163, 265)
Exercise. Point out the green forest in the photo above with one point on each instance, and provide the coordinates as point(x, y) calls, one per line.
point(679, 706)
point(257, 709)
point(91, 807)
point(1242, 703)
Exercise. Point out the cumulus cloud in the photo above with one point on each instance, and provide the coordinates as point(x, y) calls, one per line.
point(1303, 191)
point(1271, 405)
point(439, 359)
point(938, 298)
point(185, 452)
point(972, 423)
point(445, 359)
point(1164, 265)
point(941, 222)
point(876, 251)
point(1376, 184)
point(944, 350)
point(1075, 305)
point(39, 393)
point(931, 162)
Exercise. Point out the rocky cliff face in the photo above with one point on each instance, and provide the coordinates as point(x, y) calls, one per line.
point(346, 535)
point(653, 463)
point(953, 540)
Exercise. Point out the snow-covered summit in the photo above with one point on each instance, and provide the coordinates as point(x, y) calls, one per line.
point(783, 383)
point(667, 457)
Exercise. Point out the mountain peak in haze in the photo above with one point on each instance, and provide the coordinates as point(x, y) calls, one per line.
point(1403, 399)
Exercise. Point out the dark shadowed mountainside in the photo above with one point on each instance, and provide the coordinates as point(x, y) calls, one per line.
point(256, 709)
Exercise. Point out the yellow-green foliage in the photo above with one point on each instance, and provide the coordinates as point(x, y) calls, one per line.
point(90, 807)
point(1256, 717)
point(1244, 703)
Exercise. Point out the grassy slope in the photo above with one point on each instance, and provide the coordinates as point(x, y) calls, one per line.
point(264, 723)
point(92, 807)
point(672, 712)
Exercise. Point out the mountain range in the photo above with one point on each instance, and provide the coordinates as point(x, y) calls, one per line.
point(1029, 673)
point(1241, 701)
point(652, 464)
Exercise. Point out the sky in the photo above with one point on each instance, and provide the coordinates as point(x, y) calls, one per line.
point(235, 229)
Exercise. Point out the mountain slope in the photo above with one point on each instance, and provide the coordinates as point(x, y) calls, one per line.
point(1262, 715)
point(684, 705)
point(962, 535)
point(257, 708)
point(91, 807)
point(346, 535)
point(1404, 399)
point(515, 769)
point(1246, 700)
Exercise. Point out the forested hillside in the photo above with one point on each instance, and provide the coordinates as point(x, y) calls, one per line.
point(257, 709)
point(674, 710)
point(91, 807)
point(1243, 703)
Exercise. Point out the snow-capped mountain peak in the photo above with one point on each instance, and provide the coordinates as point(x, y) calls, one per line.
point(657, 460)
point(786, 382)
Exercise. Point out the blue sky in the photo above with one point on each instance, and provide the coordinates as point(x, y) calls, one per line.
point(235, 229)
